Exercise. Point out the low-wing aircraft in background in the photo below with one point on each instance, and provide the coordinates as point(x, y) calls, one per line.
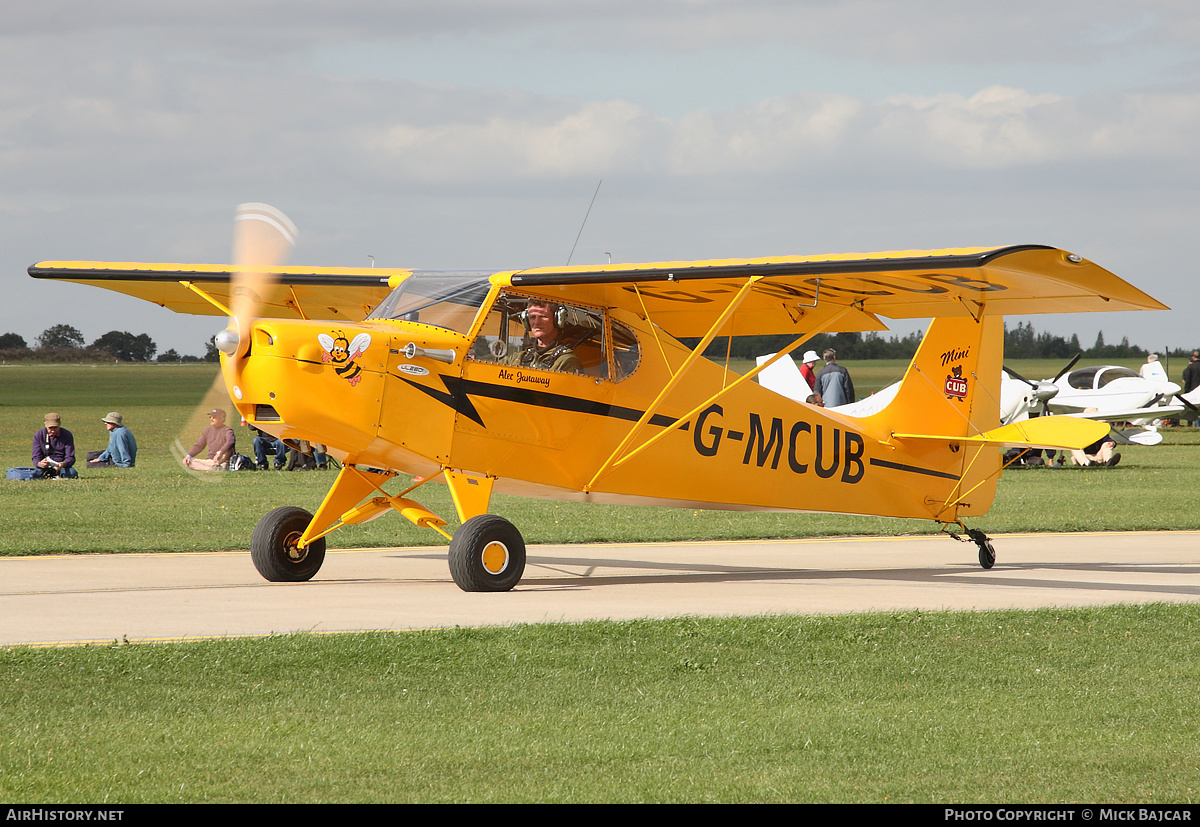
point(460, 377)
point(1018, 397)
point(1111, 393)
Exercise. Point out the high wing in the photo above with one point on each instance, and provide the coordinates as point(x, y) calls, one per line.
point(683, 298)
point(344, 293)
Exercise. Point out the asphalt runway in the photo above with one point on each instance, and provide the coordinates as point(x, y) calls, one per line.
point(65, 600)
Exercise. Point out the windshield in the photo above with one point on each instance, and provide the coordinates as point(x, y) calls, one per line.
point(442, 298)
point(1115, 373)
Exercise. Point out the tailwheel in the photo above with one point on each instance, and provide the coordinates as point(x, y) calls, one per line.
point(487, 554)
point(987, 554)
point(275, 549)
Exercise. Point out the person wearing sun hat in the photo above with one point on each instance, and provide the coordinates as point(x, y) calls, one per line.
point(54, 449)
point(807, 370)
point(122, 447)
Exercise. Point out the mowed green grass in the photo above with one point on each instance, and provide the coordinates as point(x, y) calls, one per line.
point(1094, 705)
point(159, 506)
point(1091, 705)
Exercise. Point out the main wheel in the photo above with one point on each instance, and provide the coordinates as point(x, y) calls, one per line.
point(274, 549)
point(487, 554)
point(987, 554)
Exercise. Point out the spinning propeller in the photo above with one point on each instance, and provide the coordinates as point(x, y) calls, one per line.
point(263, 238)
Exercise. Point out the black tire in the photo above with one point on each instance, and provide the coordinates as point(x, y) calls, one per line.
point(987, 554)
point(273, 546)
point(487, 554)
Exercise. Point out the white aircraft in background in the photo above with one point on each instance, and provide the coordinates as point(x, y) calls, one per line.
point(1107, 393)
point(1111, 393)
point(1018, 396)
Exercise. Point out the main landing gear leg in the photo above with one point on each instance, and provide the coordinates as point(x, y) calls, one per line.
point(987, 554)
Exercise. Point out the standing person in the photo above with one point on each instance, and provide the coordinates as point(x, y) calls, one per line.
point(833, 382)
point(1191, 373)
point(218, 438)
point(1153, 369)
point(808, 368)
point(1191, 378)
point(122, 447)
point(54, 449)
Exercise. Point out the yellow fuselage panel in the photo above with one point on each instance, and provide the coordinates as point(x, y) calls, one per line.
point(374, 393)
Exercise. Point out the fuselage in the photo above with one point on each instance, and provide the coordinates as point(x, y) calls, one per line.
point(439, 379)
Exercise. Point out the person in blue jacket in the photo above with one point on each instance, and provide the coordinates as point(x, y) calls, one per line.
point(122, 447)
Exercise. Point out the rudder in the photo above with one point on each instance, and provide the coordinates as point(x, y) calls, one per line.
point(952, 385)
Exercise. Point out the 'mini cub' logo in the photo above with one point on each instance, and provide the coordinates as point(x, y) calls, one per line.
point(342, 354)
point(956, 386)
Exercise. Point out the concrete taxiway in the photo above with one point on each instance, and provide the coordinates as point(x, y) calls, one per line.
point(66, 600)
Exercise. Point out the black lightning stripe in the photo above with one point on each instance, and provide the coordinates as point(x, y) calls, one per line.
point(458, 395)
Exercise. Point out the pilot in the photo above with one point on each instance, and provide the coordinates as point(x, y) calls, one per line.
point(547, 350)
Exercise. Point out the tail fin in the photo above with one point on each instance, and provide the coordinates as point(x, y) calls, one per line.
point(951, 392)
point(952, 385)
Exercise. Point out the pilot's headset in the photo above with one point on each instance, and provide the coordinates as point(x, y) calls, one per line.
point(560, 314)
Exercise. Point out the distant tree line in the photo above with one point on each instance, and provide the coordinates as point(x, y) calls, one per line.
point(64, 343)
point(1020, 342)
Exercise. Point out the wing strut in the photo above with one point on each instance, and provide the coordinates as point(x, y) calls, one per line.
point(613, 462)
point(225, 311)
point(734, 303)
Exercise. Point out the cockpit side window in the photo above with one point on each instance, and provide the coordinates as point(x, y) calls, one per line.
point(1082, 379)
point(532, 332)
point(1115, 373)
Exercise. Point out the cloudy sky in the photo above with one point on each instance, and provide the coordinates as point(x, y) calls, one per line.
point(447, 134)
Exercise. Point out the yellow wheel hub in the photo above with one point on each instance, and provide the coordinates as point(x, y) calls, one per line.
point(495, 557)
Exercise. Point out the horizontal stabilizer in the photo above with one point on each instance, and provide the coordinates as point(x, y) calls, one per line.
point(1050, 432)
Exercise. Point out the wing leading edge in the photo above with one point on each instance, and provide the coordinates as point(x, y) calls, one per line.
point(683, 297)
point(343, 293)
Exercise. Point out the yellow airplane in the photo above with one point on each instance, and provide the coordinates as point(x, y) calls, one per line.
point(571, 383)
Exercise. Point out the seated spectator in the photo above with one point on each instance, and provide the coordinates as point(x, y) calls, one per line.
point(1099, 453)
point(218, 438)
point(54, 450)
point(265, 444)
point(122, 447)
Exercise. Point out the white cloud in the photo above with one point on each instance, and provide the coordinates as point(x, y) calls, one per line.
point(130, 129)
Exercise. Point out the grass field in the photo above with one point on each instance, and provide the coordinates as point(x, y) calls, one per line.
point(158, 506)
point(1094, 705)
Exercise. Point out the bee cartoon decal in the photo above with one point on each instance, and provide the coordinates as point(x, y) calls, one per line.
point(342, 354)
